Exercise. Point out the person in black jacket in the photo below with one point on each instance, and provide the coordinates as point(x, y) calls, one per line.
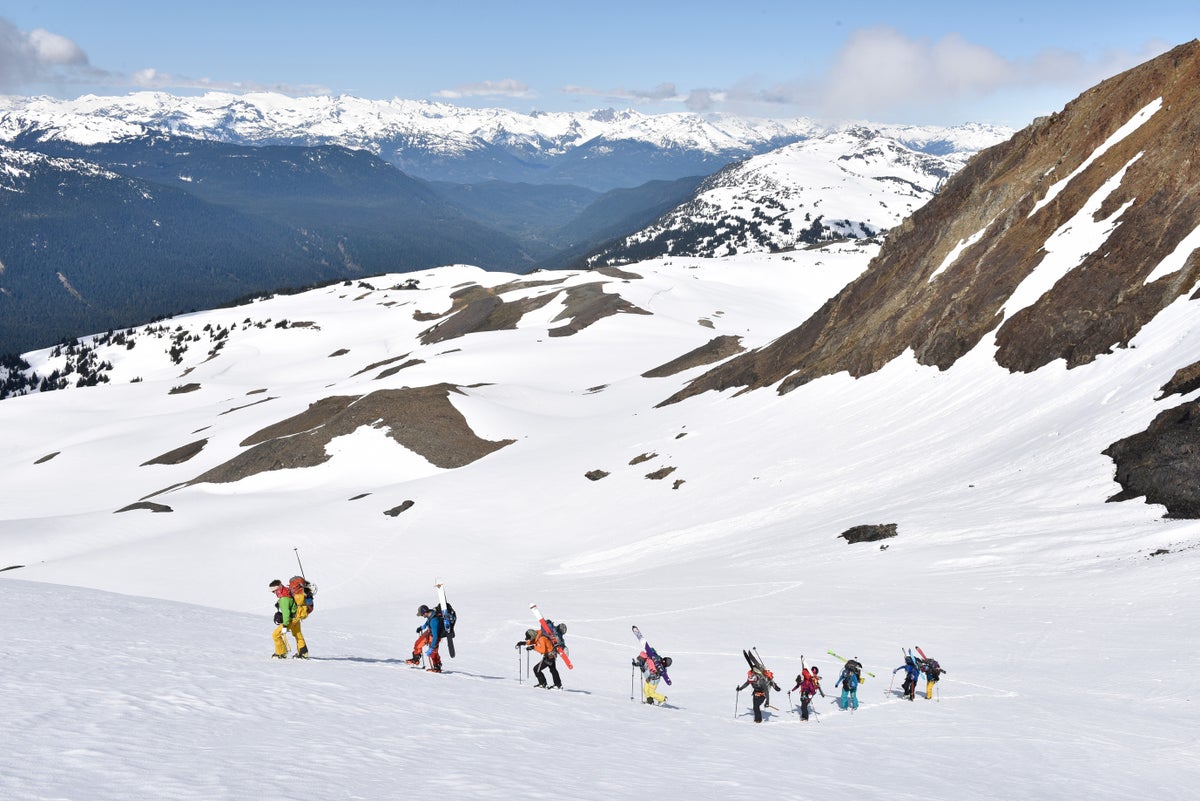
point(761, 684)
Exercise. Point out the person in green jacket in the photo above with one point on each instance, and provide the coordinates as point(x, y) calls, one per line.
point(286, 618)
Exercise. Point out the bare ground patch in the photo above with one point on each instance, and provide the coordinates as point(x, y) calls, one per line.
point(421, 419)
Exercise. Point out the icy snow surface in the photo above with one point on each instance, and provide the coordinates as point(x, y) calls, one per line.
point(135, 648)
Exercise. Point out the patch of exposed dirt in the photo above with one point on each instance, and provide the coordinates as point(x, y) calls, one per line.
point(587, 304)
point(47, 457)
point(422, 419)
point(396, 510)
point(179, 455)
point(391, 371)
point(714, 350)
point(183, 389)
point(381, 363)
point(147, 505)
point(613, 272)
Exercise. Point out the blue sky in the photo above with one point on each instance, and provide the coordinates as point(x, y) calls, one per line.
point(917, 62)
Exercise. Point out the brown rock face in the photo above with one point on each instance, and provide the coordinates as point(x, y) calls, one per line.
point(988, 225)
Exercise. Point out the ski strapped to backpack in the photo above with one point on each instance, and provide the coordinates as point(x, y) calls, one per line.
point(854, 665)
point(554, 635)
point(302, 590)
point(652, 655)
point(448, 615)
point(759, 669)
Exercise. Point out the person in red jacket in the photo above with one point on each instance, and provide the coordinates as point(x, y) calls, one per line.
point(809, 683)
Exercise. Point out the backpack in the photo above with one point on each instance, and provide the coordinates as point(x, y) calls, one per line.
point(302, 592)
point(855, 667)
point(449, 618)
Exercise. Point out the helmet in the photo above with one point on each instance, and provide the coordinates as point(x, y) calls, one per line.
point(561, 628)
point(816, 669)
point(666, 661)
point(530, 633)
point(423, 610)
point(274, 584)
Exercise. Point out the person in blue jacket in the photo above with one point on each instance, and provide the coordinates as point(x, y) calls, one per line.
point(429, 637)
point(848, 681)
point(911, 673)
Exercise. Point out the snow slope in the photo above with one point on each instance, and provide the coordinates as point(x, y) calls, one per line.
point(1070, 646)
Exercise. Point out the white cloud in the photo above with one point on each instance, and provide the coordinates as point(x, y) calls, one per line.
point(503, 88)
point(54, 49)
point(38, 55)
point(882, 72)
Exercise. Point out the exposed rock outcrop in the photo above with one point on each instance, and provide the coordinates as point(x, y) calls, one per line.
point(714, 350)
point(870, 533)
point(1162, 463)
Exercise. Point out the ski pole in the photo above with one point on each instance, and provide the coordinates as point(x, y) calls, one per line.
point(737, 701)
point(297, 552)
point(631, 682)
point(520, 678)
point(791, 705)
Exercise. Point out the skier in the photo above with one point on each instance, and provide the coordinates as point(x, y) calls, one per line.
point(286, 618)
point(911, 674)
point(933, 672)
point(848, 681)
point(429, 637)
point(809, 682)
point(761, 685)
point(536, 640)
point(651, 678)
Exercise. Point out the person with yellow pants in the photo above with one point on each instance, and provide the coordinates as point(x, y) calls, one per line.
point(286, 618)
point(650, 678)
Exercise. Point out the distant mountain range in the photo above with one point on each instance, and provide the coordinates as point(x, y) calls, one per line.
point(600, 150)
point(119, 210)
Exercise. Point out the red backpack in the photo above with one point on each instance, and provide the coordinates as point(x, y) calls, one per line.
point(303, 592)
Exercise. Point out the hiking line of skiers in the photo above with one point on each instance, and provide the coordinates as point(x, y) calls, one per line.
point(294, 602)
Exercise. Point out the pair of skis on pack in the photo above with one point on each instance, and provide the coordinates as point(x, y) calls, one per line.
point(922, 663)
point(651, 654)
point(759, 669)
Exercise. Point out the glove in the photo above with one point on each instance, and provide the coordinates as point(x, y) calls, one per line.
point(279, 618)
point(427, 650)
point(635, 664)
point(518, 645)
point(418, 631)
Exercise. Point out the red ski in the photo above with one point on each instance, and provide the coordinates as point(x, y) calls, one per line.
point(553, 635)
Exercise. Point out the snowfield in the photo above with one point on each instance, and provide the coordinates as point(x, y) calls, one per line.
point(136, 645)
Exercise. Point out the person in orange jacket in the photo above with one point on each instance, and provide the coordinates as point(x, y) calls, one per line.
point(286, 619)
point(536, 640)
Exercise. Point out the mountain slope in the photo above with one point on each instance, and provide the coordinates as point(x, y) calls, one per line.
point(852, 183)
point(1062, 242)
